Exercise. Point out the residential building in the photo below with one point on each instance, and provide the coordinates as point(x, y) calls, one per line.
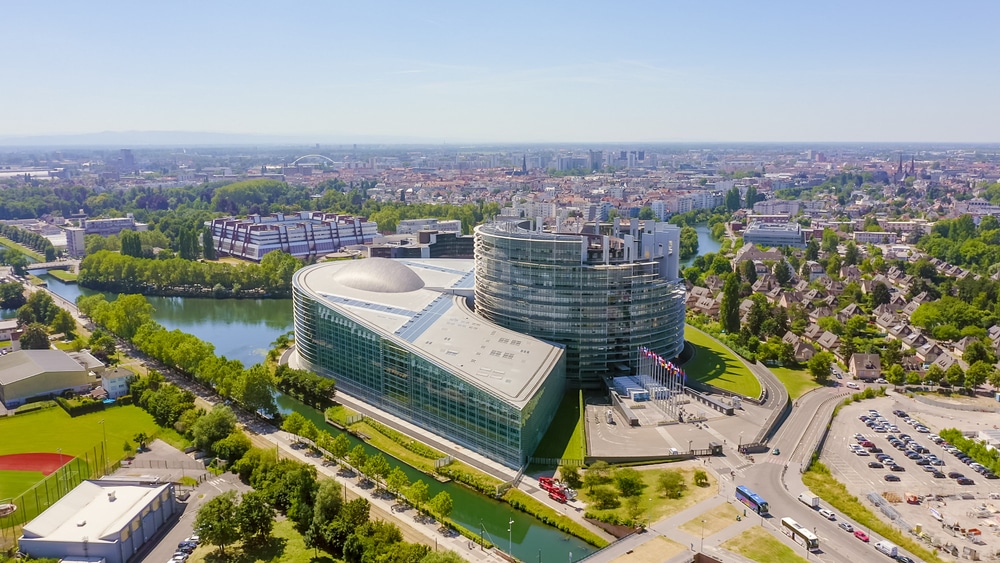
point(602, 293)
point(115, 381)
point(302, 234)
point(113, 226)
point(100, 520)
point(403, 337)
point(75, 246)
point(875, 237)
point(867, 367)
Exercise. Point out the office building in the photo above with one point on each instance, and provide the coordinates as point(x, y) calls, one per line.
point(114, 226)
point(106, 520)
point(775, 234)
point(413, 226)
point(302, 234)
point(602, 293)
point(402, 336)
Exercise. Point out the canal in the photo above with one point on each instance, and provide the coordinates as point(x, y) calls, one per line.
point(243, 329)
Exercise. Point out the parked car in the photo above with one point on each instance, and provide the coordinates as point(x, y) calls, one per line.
point(890, 477)
point(875, 465)
point(965, 481)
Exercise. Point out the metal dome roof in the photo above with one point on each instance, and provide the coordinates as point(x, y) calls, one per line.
point(380, 275)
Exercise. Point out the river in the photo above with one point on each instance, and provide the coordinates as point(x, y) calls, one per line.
point(243, 329)
point(706, 244)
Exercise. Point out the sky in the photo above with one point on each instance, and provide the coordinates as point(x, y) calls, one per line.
point(476, 71)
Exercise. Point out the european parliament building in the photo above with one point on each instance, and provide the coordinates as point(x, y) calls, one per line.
point(401, 336)
point(481, 352)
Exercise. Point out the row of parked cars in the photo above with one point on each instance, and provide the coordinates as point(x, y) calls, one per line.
point(964, 458)
point(184, 549)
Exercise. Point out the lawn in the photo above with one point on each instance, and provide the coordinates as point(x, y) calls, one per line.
point(285, 545)
point(714, 364)
point(564, 439)
point(63, 275)
point(711, 522)
point(50, 430)
point(13, 483)
point(797, 381)
point(4, 241)
point(757, 544)
point(654, 505)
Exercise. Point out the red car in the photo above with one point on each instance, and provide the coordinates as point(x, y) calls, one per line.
point(861, 535)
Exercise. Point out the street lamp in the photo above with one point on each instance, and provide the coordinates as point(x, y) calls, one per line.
point(105, 450)
point(702, 536)
point(510, 538)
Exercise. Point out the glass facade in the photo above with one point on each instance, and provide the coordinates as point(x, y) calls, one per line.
point(599, 296)
point(392, 375)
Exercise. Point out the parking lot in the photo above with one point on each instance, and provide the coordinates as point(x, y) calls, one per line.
point(942, 489)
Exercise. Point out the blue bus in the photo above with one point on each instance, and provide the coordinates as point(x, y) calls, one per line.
point(750, 498)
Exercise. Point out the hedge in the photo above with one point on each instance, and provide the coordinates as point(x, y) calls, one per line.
point(79, 406)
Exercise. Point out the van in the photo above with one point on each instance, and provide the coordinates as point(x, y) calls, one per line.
point(887, 547)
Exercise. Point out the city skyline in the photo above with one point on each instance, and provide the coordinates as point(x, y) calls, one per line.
point(517, 73)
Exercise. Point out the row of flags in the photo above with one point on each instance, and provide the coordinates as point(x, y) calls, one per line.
point(670, 368)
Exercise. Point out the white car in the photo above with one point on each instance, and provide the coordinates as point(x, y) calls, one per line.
point(827, 513)
point(852, 385)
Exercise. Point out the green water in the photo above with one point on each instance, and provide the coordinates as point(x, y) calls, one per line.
point(244, 329)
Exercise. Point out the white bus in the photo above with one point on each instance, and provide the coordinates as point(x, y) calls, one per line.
point(800, 534)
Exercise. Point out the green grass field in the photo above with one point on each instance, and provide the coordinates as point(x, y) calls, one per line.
point(758, 545)
point(714, 364)
point(285, 545)
point(797, 381)
point(564, 439)
point(654, 505)
point(13, 483)
point(52, 429)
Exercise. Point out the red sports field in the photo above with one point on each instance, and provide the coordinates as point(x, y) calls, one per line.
point(46, 463)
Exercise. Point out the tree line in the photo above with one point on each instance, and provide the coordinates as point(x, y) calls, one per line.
point(32, 240)
point(111, 271)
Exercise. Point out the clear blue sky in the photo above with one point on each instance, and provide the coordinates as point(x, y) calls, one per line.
point(605, 71)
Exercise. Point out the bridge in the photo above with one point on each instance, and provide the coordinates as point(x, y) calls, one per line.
point(71, 265)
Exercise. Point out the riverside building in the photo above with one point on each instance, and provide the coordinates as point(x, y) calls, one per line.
point(302, 234)
point(401, 335)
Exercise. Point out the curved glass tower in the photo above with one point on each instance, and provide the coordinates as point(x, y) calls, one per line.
point(602, 294)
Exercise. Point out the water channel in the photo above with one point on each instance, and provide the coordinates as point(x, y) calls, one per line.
point(706, 244)
point(243, 330)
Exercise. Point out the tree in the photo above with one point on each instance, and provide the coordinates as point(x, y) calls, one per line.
point(571, 476)
point(293, 423)
point(397, 482)
point(214, 426)
point(208, 244)
point(895, 374)
point(786, 354)
point(443, 556)
point(934, 374)
point(729, 312)
point(749, 272)
point(376, 468)
point(605, 497)
point(63, 323)
point(35, 337)
point(830, 240)
point(597, 474)
point(628, 482)
point(131, 244)
point(217, 522)
point(357, 457)
point(442, 504)
point(689, 242)
point(232, 447)
point(128, 449)
point(671, 483)
point(646, 213)
point(819, 366)
point(880, 295)
point(255, 517)
point(856, 326)
point(977, 374)
point(751, 197)
point(955, 375)
point(812, 250)
point(141, 438)
point(782, 272)
point(976, 351)
point(255, 390)
point(340, 446)
point(733, 199)
point(417, 494)
point(700, 478)
point(12, 295)
point(851, 254)
point(326, 509)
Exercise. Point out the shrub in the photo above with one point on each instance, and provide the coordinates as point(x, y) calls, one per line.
point(79, 405)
